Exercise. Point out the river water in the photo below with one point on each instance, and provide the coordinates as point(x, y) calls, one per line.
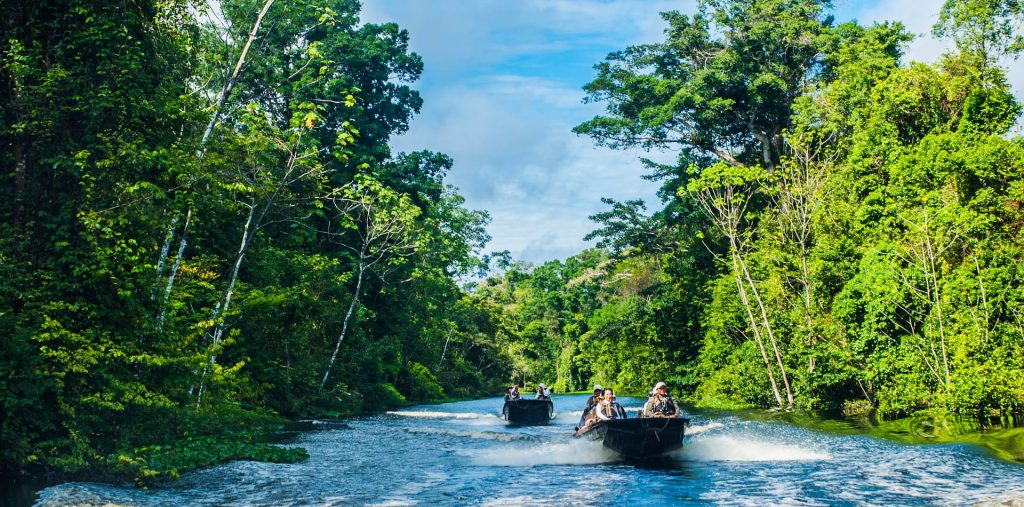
point(463, 453)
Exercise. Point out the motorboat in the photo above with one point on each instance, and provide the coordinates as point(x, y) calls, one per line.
point(528, 412)
point(642, 438)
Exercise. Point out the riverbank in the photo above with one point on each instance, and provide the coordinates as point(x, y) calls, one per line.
point(145, 466)
point(165, 462)
point(149, 466)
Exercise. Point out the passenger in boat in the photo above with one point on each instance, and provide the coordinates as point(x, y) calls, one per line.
point(595, 399)
point(607, 409)
point(591, 402)
point(660, 404)
point(543, 392)
point(512, 394)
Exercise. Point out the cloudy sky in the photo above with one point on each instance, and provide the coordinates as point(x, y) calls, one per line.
point(502, 89)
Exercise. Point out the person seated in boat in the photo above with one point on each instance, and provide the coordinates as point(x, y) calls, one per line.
point(660, 404)
point(543, 392)
point(607, 409)
point(593, 400)
point(512, 394)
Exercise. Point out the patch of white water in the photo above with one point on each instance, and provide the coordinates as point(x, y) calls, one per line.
point(730, 448)
point(574, 452)
point(695, 429)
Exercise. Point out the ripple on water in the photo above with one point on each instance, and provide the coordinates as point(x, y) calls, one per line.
point(482, 435)
point(428, 414)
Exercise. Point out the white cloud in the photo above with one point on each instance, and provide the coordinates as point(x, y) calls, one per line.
point(516, 157)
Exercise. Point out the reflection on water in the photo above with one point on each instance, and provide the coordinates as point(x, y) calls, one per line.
point(464, 453)
point(1006, 442)
point(1001, 436)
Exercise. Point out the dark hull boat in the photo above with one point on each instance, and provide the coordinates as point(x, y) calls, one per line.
point(638, 439)
point(528, 411)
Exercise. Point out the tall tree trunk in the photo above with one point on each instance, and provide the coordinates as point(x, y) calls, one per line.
point(222, 309)
point(174, 272)
point(164, 251)
point(444, 351)
point(348, 316)
point(168, 237)
point(768, 330)
point(744, 298)
point(222, 98)
point(229, 85)
point(938, 309)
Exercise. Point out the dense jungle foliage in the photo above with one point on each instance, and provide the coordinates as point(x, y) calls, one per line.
point(841, 230)
point(203, 228)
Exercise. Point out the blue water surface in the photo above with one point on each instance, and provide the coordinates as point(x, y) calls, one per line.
point(464, 454)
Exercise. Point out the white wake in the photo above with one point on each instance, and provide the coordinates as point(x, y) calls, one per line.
point(729, 448)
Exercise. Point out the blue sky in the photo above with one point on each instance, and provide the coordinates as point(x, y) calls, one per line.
point(502, 89)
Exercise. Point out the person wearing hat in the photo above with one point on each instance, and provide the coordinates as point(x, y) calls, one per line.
point(591, 402)
point(660, 404)
point(543, 392)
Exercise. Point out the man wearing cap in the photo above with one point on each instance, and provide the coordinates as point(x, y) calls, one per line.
point(660, 404)
point(592, 401)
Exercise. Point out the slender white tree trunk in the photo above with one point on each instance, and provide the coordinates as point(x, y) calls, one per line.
point(444, 351)
point(164, 250)
point(933, 273)
point(745, 299)
point(222, 309)
point(344, 325)
point(222, 98)
point(174, 272)
point(229, 85)
point(768, 330)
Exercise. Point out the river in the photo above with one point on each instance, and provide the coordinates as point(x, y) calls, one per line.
point(463, 453)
